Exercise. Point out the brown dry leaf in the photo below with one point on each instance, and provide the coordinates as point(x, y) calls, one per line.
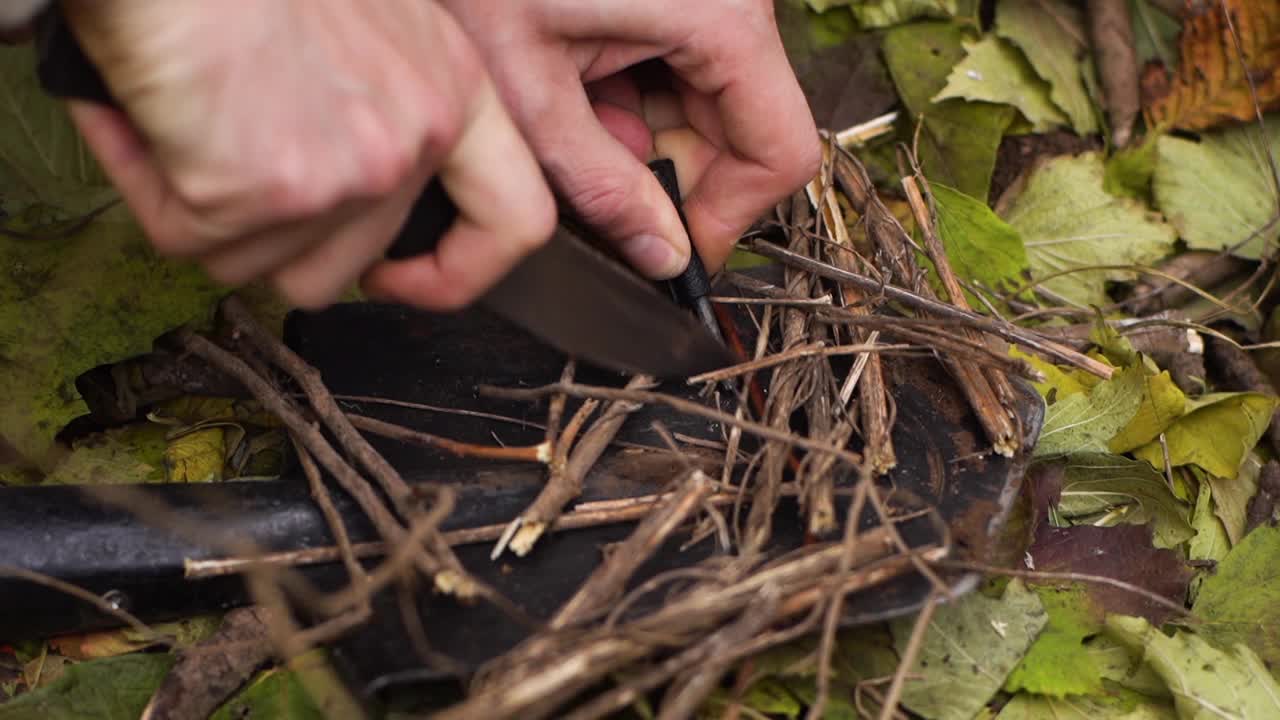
point(1211, 86)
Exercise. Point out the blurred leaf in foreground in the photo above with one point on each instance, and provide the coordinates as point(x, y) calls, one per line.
point(74, 293)
point(116, 688)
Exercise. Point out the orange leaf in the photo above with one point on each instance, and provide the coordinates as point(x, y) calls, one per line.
point(1211, 85)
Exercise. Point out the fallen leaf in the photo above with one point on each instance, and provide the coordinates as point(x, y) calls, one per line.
point(1111, 489)
point(1129, 172)
point(197, 456)
point(1162, 404)
point(1207, 682)
point(1059, 381)
point(1210, 541)
point(884, 13)
point(1120, 705)
point(1240, 601)
point(1070, 224)
point(43, 160)
point(108, 689)
point(1216, 433)
point(964, 660)
point(959, 139)
point(981, 247)
point(1052, 36)
point(77, 298)
point(1220, 72)
point(1231, 496)
point(1219, 192)
point(1155, 34)
point(1123, 668)
point(1086, 423)
point(995, 71)
point(839, 69)
point(1123, 553)
point(1058, 663)
point(275, 693)
point(126, 455)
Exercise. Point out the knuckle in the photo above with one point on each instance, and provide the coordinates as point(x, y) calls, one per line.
point(600, 198)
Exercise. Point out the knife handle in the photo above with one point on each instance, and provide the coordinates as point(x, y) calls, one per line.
point(691, 288)
point(64, 71)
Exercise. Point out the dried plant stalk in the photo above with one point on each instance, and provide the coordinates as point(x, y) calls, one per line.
point(978, 386)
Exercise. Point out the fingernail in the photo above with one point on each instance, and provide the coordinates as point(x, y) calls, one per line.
point(654, 257)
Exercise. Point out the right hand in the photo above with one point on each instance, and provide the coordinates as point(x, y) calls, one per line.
point(288, 140)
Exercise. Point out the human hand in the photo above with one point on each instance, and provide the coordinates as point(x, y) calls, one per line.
point(288, 139)
point(735, 120)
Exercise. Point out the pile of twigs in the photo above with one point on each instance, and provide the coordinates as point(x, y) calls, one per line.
point(854, 290)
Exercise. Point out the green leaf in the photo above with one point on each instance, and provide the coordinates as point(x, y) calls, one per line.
point(1110, 489)
point(1058, 663)
point(1231, 496)
point(995, 71)
point(1068, 222)
point(1155, 34)
point(275, 693)
point(959, 139)
point(1211, 541)
point(1059, 381)
point(1119, 705)
point(1084, 423)
point(131, 454)
point(1121, 667)
point(1052, 35)
point(1129, 171)
point(1207, 682)
point(980, 246)
point(1218, 192)
point(75, 298)
point(70, 304)
point(969, 650)
point(1162, 404)
point(116, 688)
point(884, 13)
point(1216, 433)
point(42, 157)
point(1240, 601)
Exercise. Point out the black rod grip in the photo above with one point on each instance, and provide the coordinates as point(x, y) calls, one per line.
point(692, 285)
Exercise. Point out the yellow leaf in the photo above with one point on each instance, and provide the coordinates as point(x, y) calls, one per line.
point(1211, 85)
point(1216, 433)
point(1162, 403)
point(196, 456)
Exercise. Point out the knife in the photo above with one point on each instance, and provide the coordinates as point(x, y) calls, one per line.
point(568, 293)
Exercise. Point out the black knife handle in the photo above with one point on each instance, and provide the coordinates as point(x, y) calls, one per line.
point(690, 286)
point(65, 71)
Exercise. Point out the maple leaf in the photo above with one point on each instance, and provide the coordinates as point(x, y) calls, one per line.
point(1211, 85)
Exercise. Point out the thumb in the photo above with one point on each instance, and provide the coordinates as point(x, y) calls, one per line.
point(608, 187)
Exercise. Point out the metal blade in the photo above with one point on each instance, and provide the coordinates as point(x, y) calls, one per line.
point(576, 298)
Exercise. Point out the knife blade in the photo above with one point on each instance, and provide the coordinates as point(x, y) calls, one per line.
point(577, 298)
point(567, 293)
